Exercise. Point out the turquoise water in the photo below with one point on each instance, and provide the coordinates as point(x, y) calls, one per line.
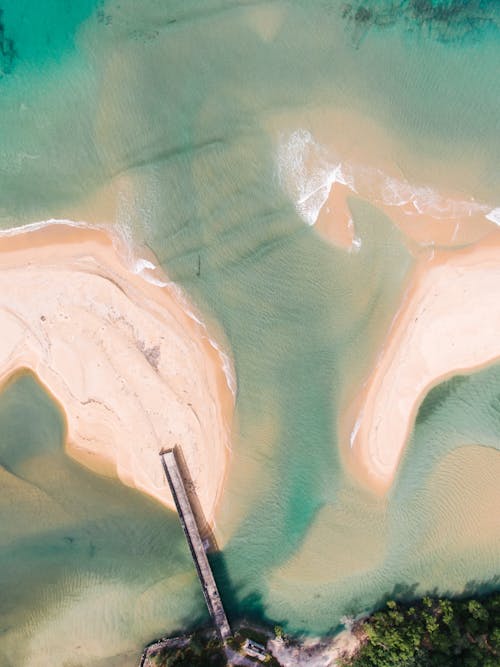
point(43, 35)
point(183, 105)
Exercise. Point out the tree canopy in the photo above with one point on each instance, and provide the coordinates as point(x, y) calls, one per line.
point(432, 633)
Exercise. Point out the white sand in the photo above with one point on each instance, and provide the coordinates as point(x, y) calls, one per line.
point(131, 371)
point(449, 323)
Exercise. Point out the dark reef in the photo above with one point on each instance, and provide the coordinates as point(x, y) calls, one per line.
point(7, 49)
point(445, 20)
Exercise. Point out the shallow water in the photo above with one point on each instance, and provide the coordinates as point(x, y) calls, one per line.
point(89, 569)
point(183, 108)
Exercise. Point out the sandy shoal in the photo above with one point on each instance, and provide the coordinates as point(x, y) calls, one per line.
point(463, 501)
point(131, 370)
point(448, 323)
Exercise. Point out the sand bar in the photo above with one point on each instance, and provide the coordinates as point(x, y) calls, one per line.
point(448, 323)
point(132, 371)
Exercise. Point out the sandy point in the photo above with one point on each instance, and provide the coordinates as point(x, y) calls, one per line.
point(132, 370)
point(448, 323)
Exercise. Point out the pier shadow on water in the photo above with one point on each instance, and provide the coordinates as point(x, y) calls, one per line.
point(247, 607)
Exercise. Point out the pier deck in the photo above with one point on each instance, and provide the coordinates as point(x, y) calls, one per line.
point(190, 527)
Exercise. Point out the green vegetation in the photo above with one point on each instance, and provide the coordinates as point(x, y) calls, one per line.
point(432, 632)
point(200, 651)
point(204, 649)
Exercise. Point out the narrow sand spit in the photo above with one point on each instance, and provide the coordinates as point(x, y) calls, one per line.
point(448, 323)
point(131, 370)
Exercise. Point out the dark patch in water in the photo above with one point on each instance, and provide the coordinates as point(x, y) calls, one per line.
point(445, 20)
point(7, 49)
point(363, 15)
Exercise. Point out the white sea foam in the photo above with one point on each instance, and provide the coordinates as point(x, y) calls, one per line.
point(120, 236)
point(307, 172)
point(356, 245)
point(226, 362)
point(423, 199)
point(40, 224)
point(429, 202)
point(227, 366)
point(355, 430)
point(141, 264)
point(155, 281)
point(494, 216)
point(394, 192)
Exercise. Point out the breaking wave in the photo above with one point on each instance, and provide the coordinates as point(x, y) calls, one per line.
point(307, 173)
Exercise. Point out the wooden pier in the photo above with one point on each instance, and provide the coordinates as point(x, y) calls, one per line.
point(192, 533)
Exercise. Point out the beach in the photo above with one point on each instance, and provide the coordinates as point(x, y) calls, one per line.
point(131, 369)
point(447, 324)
